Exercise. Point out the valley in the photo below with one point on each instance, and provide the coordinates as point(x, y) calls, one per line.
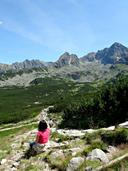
point(89, 102)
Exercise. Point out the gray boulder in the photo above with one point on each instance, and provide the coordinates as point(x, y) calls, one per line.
point(75, 163)
point(97, 154)
point(3, 161)
point(56, 154)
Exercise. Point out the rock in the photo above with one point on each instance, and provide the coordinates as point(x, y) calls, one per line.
point(15, 145)
point(111, 128)
point(36, 102)
point(13, 169)
point(53, 144)
point(89, 168)
point(43, 114)
point(89, 130)
point(3, 161)
point(125, 124)
point(51, 123)
point(75, 163)
point(67, 59)
point(112, 149)
point(15, 164)
point(17, 156)
point(46, 167)
point(72, 133)
point(98, 154)
point(74, 151)
point(115, 54)
point(55, 154)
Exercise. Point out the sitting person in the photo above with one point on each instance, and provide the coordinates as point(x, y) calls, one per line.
point(42, 138)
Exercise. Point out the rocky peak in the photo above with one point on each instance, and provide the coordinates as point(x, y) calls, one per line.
point(116, 53)
point(90, 57)
point(28, 64)
point(64, 55)
point(117, 45)
point(4, 67)
point(67, 59)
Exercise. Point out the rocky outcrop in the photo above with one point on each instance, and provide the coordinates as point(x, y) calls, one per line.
point(28, 64)
point(91, 67)
point(75, 163)
point(117, 53)
point(97, 154)
point(23, 66)
point(67, 60)
point(90, 57)
point(66, 153)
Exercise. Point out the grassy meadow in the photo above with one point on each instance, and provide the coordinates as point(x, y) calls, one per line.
point(21, 103)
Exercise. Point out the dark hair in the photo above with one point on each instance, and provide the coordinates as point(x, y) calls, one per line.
point(42, 125)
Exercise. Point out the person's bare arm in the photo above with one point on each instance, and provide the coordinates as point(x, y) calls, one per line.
point(37, 138)
point(47, 124)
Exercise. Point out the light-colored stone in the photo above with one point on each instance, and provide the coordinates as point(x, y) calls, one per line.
point(15, 164)
point(15, 145)
point(75, 163)
point(36, 102)
point(112, 149)
point(13, 169)
point(111, 128)
point(3, 161)
point(17, 156)
point(97, 154)
point(89, 168)
point(55, 154)
point(72, 133)
point(74, 151)
point(125, 124)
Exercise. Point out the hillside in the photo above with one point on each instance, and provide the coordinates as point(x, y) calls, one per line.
point(78, 102)
point(22, 103)
point(67, 149)
point(83, 99)
point(101, 65)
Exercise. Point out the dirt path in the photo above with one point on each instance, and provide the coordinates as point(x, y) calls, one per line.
point(19, 126)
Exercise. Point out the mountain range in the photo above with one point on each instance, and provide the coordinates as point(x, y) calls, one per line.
point(93, 66)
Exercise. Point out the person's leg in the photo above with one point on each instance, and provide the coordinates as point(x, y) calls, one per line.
point(32, 144)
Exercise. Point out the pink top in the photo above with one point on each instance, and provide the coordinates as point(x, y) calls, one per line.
point(43, 136)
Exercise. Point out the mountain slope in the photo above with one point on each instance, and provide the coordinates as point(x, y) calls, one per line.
point(67, 59)
point(117, 53)
point(91, 67)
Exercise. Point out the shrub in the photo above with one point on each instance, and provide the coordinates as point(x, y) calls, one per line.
point(102, 108)
point(95, 144)
point(116, 137)
point(59, 137)
point(99, 144)
point(90, 137)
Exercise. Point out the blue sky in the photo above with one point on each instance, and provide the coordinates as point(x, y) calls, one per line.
point(44, 29)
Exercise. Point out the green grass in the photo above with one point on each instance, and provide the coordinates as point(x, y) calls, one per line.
point(18, 103)
point(122, 165)
point(59, 137)
point(92, 164)
point(60, 162)
point(17, 130)
point(6, 138)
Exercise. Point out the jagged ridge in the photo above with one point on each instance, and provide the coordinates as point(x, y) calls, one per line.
point(87, 68)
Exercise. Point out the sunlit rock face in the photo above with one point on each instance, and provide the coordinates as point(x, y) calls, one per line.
point(67, 59)
point(115, 54)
